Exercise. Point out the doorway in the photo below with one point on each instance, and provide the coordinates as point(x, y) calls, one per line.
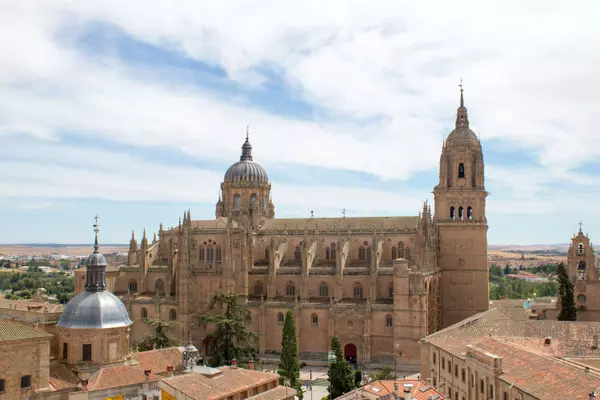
point(350, 354)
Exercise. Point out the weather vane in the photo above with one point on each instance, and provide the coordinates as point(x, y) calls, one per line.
point(461, 84)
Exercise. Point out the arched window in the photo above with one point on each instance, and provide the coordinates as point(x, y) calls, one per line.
point(391, 290)
point(358, 290)
point(452, 213)
point(580, 250)
point(217, 254)
point(401, 249)
point(469, 213)
point(581, 269)
point(210, 251)
point(394, 252)
point(297, 253)
point(389, 322)
point(460, 213)
point(253, 201)
point(324, 290)
point(144, 313)
point(333, 251)
point(236, 201)
point(159, 286)
point(280, 318)
point(202, 254)
point(267, 254)
point(173, 315)
point(461, 170)
point(132, 286)
point(314, 320)
point(361, 253)
point(327, 253)
point(290, 289)
point(258, 289)
point(369, 253)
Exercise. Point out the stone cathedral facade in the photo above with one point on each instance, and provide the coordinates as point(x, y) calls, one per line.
point(379, 283)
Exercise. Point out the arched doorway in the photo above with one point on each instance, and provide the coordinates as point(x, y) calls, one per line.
point(350, 353)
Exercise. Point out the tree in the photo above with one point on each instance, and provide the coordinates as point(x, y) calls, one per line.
point(357, 378)
point(340, 372)
point(231, 337)
point(383, 374)
point(159, 338)
point(507, 270)
point(289, 367)
point(568, 311)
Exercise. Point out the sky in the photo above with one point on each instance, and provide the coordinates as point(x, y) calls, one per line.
point(134, 110)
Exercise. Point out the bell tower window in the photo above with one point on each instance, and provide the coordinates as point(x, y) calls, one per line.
point(236, 202)
point(460, 213)
point(452, 213)
point(580, 250)
point(581, 270)
point(461, 170)
point(469, 213)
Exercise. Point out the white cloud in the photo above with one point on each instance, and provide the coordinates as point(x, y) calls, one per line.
point(529, 72)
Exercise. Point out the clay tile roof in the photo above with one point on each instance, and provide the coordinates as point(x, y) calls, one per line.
point(10, 331)
point(382, 389)
point(278, 393)
point(232, 380)
point(158, 360)
point(61, 377)
point(540, 376)
point(33, 306)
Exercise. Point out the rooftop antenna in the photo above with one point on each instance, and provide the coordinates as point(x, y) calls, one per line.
point(344, 212)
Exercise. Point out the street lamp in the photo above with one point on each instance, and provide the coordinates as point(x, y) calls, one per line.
point(83, 372)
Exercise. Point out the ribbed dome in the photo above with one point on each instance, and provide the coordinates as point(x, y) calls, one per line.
point(462, 135)
point(94, 310)
point(246, 169)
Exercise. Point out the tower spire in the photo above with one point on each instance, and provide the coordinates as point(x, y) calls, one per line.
point(96, 230)
point(462, 119)
point(246, 148)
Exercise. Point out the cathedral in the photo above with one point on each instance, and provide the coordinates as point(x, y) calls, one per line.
point(378, 283)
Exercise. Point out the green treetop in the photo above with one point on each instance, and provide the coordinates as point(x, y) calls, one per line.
point(566, 296)
point(340, 373)
point(289, 367)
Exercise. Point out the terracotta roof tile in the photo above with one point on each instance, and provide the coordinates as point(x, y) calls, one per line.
point(540, 376)
point(232, 380)
point(61, 377)
point(11, 331)
point(158, 360)
point(278, 393)
point(33, 306)
point(420, 390)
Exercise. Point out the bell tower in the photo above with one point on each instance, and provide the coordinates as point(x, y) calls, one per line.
point(581, 260)
point(460, 200)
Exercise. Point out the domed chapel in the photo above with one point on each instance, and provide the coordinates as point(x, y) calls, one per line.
point(378, 283)
point(94, 327)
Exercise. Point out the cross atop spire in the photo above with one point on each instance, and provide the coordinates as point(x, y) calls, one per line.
point(96, 230)
point(246, 147)
point(462, 119)
point(580, 226)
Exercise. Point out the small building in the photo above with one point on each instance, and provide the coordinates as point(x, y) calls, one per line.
point(204, 383)
point(25, 354)
point(413, 389)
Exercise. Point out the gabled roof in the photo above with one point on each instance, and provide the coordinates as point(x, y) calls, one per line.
point(13, 331)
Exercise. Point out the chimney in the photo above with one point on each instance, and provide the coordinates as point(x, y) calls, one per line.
point(170, 369)
point(396, 389)
point(595, 343)
point(148, 373)
point(547, 341)
point(234, 363)
point(407, 391)
point(251, 365)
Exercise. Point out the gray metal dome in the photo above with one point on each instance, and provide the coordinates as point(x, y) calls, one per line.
point(94, 310)
point(246, 169)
